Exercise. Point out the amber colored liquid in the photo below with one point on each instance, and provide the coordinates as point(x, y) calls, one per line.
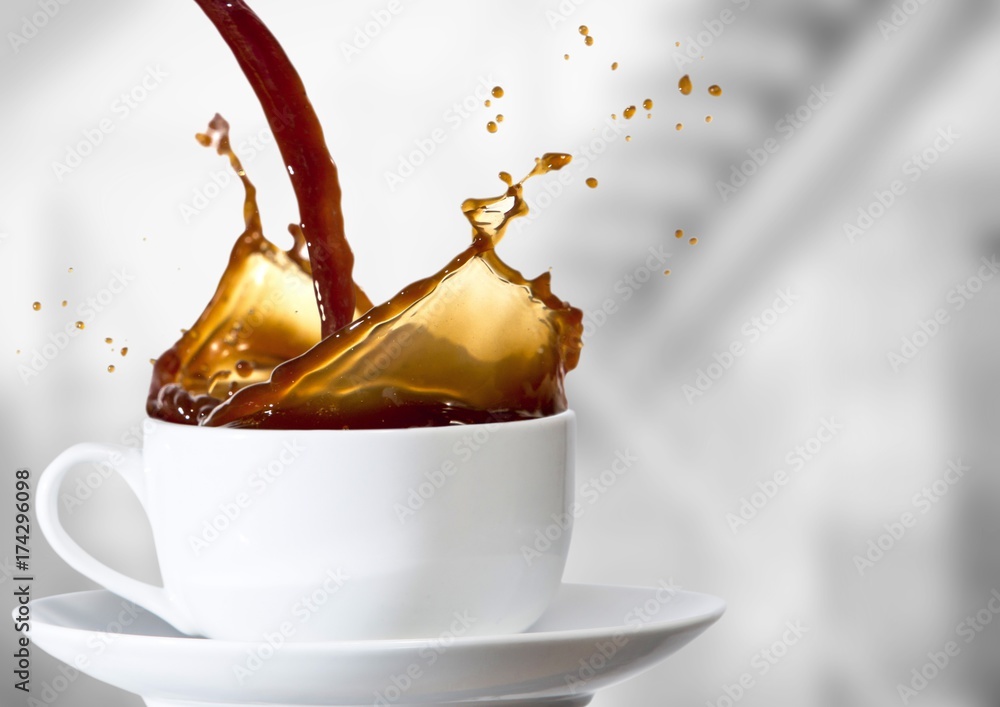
point(472, 343)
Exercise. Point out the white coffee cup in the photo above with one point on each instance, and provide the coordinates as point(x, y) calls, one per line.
point(341, 534)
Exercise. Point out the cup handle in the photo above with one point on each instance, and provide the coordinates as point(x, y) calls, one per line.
point(128, 463)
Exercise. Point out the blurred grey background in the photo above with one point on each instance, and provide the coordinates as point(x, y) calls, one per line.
point(847, 385)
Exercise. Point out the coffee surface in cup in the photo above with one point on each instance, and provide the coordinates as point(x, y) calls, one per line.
point(289, 341)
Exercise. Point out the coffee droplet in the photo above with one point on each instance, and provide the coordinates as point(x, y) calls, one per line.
point(648, 104)
point(629, 112)
point(499, 117)
point(152, 362)
point(693, 241)
point(497, 92)
point(614, 117)
point(708, 119)
point(36, 306)
point(80, 325)
point(591, 182)
point(491, 126)
point(108, 340)
point(666, 272)
point(628, 138)
point(566, 57)
point(124, 350)
point(588, 40)
point(685, 85)
point(487, 103)
point(244, 369)
point(680, 126)
point(584, 30)
point(69, 270)
point(614, 66)
point(679, 233)
point(111, 369)
point(64, 303)
point(715, 90)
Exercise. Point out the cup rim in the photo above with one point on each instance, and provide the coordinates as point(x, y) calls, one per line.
point(557, 419)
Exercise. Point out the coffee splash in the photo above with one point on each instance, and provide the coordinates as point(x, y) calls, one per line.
point(473, 343)
point(262, 314)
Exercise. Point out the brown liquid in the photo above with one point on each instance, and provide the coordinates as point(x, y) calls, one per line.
point(473, 343)
point(629, 112)
point(491, 126)
point(36, 306)
point(648, 104)
point(685, 85)
point(715, 90)
point(442, 351)
point(300, 140)
point(592, 182)
point(497, 92)
point(614, 66)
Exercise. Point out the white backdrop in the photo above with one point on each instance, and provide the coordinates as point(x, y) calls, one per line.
point(841, 104)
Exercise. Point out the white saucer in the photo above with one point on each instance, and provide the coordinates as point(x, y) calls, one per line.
point(591, 637)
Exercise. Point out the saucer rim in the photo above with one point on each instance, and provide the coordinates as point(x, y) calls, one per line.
point(704, 618)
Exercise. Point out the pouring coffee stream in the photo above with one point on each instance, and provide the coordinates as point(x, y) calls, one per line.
point(476, 342)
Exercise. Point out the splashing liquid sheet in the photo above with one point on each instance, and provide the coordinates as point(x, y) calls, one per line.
point(474, 342)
